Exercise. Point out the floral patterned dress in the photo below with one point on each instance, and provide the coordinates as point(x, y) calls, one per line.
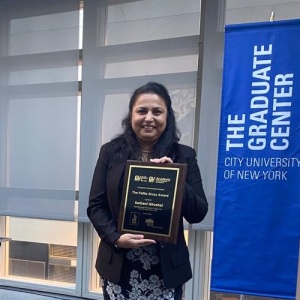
point(141, 278)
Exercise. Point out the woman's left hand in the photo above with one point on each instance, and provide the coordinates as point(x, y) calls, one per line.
point(162, 160)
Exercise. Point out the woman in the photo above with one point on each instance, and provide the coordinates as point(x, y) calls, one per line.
point(132, 267)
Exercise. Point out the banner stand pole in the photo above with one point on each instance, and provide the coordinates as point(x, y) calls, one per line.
point(298, 278)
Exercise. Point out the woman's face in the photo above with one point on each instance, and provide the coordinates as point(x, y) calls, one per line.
point(149, 118)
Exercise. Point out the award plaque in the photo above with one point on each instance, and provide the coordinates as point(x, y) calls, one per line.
point(152, 198)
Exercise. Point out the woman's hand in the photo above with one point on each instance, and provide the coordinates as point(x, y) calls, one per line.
point(162, 160)
point(128, 240)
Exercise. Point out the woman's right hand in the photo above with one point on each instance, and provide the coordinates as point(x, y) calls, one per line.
point(128, 240)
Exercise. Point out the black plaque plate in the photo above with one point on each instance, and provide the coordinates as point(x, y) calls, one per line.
point(152, 198)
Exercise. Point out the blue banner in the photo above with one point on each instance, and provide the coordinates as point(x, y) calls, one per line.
point(257, 217)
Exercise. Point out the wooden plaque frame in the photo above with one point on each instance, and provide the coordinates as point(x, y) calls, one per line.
point(152, 199)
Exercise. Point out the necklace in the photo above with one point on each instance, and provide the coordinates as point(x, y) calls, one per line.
point(146, 155)
point(146, 151)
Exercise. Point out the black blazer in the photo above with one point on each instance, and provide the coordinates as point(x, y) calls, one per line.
point(104, 206)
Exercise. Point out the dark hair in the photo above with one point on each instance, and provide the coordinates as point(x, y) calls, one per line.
point(169, 137)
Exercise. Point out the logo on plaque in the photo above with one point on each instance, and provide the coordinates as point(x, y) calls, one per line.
point(134, 218)
point(149, 222)
point(151, 179)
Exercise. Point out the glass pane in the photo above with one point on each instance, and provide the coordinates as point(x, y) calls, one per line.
point(184, 104)
point(46, 33)
point(39, 108)
point(42, 143)
point(166, 65)
point(147, 20)
point(42, 249)
point(114, 66)
point(112, 125)
point(43, 75)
